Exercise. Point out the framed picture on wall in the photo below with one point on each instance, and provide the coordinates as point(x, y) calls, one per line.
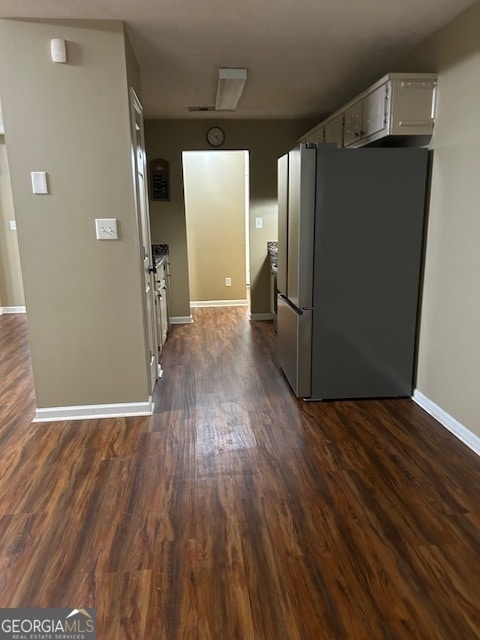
point(159, 179)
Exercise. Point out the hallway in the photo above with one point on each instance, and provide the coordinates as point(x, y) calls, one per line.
point(237, 511)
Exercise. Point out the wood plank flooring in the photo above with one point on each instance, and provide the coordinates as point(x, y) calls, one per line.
point(237, 511)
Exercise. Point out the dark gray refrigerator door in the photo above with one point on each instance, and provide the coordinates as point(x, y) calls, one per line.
point(368, 250)
point(282, 190)
point(301, 216)
point(294, 345)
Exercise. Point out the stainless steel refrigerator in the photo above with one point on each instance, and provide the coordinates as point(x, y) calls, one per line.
point(350, 242)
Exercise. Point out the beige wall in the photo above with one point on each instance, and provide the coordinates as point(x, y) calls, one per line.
point(449, 352)
point(11, 286)
point(215, 216)
point(84, 297)
point(265, 140)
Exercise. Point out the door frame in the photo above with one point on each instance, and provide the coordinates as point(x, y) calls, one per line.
point(144, 238)
point(218, 153)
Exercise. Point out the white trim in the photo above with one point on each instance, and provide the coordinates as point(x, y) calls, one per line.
point(94, 411)
point(12, 310)
point(449, 422)
point(218, 303)
point(261, 316)
point(181, 320)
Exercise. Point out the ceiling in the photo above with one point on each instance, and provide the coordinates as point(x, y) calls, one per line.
point(305, 58)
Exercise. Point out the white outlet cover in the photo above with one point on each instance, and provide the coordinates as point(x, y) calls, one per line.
point(259, 223)
point(13, 225)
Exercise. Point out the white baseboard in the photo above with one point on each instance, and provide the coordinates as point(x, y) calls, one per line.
point(449, 422)
point(218, 303)
point(12, 310)
point(261, 316)
point(181, 320)
point(95, 411)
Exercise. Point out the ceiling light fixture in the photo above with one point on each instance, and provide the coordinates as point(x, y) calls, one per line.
point(229, 89)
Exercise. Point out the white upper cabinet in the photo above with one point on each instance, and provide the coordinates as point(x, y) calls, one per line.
point(412, 104)
point(375, 112)
point(353, 123)
point(334, 130)
point(317, 134)
point(399, 104)
point(367, 118)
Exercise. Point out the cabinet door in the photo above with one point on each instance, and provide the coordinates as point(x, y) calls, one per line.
point(353, 124)
point(158, 307)
point(334, 130)
point(164, 311)
point(375, 111)
point(162, 292)
point(319, 136)
point(316, 135)
point(413, 106)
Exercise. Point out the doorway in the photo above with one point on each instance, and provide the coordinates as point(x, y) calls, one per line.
point(216, 186)
point(12, 297)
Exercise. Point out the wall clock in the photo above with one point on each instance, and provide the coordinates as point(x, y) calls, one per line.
point(215, 136)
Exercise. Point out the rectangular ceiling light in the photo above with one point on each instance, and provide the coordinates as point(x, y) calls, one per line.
point(229, 89)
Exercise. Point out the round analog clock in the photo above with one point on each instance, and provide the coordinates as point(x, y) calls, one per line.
point(215, 136)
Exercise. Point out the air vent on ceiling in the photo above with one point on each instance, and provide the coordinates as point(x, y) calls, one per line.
point(201, 108)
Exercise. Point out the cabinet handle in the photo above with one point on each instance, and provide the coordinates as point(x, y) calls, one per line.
point(414, 123)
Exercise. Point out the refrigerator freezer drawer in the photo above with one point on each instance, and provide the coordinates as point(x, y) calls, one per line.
point(294, 329)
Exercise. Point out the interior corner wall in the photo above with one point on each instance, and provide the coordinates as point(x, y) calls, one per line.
point(265, 140)
point(449, 346)
point(11, 285)
point(83, 296)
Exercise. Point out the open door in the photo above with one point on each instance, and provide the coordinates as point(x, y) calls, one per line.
point(139, 166)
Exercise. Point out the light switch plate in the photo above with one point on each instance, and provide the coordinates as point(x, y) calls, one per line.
point(39, 182)
point(13, 225)
point(258, 223)
point(106, 228)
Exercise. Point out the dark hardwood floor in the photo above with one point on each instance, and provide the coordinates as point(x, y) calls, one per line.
point(237, 511)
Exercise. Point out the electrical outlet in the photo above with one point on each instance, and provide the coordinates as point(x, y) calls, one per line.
point(228, 282)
